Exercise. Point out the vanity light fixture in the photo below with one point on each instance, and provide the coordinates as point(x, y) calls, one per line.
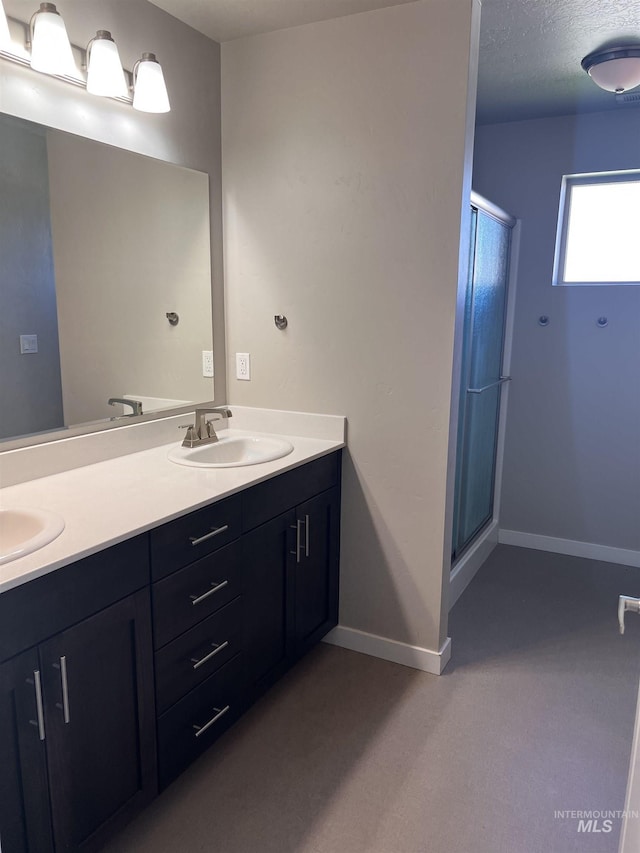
point(149, 89)
point(49, 51)
point(5, 35)
point(50, 46)
point(105, 75)
point(615, 69)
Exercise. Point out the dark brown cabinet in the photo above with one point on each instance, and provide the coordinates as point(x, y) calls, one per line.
point(118, 670)
point(25, 821)
point(99, 721)
point(268, 600)
point(291, 568)
point(315, 569)
point(77, 719)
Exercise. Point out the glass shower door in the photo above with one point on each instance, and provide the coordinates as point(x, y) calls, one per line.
point(482, 380)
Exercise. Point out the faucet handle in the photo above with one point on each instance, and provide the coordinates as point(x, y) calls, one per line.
point(191, 438)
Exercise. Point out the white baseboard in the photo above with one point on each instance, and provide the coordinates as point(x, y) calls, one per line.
point(426, 660)
point(605, 553)
point(465, 569)
point(630, 834)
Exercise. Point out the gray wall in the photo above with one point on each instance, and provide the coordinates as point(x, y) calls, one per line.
point(30, 392)
point(189, 135)
point(572, 456)
point(130, 242)
point(346, 147)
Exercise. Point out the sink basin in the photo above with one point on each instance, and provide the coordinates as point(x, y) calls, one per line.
point(25, 530)
point(232, 452)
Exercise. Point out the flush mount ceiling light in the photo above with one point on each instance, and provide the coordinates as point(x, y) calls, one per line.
point(48, 50)
point(615, 69)
point(50, 46)
point(104, 70)
point(149, 89)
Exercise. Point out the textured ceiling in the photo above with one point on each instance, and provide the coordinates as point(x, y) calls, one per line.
point(530, 53)
point(530, 50)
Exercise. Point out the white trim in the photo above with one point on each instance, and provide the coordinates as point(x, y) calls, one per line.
point(630, 834)
point(514, 259)
point(571, 547)
point(464, 570)
point(492, 209)
point(381, 647)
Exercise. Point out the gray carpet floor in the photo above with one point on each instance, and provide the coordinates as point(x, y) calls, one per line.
point(349, 754)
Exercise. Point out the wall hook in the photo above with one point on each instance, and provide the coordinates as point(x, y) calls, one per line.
point(281, 321)
point(173, 318)
point(543, 320)
point(602, 322)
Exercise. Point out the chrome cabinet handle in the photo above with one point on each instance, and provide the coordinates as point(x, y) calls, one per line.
point(196, 599)
point(296, 527)
point(216, 648)
point(200, 730)
point(62, 666)
point(306, 535)
point(215, 531)
point(65, 689)
point(500, 381)
point(39, 707)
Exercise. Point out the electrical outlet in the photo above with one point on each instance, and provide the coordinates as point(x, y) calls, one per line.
point(207, 363)
point(243, 365)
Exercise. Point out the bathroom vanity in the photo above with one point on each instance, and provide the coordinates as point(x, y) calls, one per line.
point(119, 668)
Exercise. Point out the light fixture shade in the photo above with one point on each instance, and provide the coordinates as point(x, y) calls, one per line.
point(104, 70)
point(5, 36)
point(150, 91)
point(50, 47)
point(616, 69)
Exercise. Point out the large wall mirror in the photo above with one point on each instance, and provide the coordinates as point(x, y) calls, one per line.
point(97, 246)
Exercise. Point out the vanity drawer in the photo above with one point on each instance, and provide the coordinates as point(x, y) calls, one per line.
point(194, 593)
point(273, 497)
point(186, 539)
point(193, 657)
point(196, 721)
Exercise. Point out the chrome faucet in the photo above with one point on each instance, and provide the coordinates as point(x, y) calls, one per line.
point(202, 431)
point(136, 405)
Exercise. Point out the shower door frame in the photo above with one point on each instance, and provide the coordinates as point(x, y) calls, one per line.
point(469, 561)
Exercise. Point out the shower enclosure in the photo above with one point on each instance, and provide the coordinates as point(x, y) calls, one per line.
point(483, 380)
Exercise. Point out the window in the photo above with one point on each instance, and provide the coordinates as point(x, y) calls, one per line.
point(597, 241)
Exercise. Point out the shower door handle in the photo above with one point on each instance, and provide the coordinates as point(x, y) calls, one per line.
point(500, 381)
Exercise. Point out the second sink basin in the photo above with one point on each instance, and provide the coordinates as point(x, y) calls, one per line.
point(23, 531)
point(232, 452)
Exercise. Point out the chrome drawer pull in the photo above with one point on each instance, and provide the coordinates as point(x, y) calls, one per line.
point(200, 730)
point(296, 527)
point(215, 531)
point(39, 709)
point(196, 599)
point(197, 663)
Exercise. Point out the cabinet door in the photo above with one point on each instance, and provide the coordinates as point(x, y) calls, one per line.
point(99, 713)
point(315, 568)
point(266, 553)
point(24, 795)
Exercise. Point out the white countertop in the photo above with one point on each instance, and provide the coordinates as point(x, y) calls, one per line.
point(110, 501)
